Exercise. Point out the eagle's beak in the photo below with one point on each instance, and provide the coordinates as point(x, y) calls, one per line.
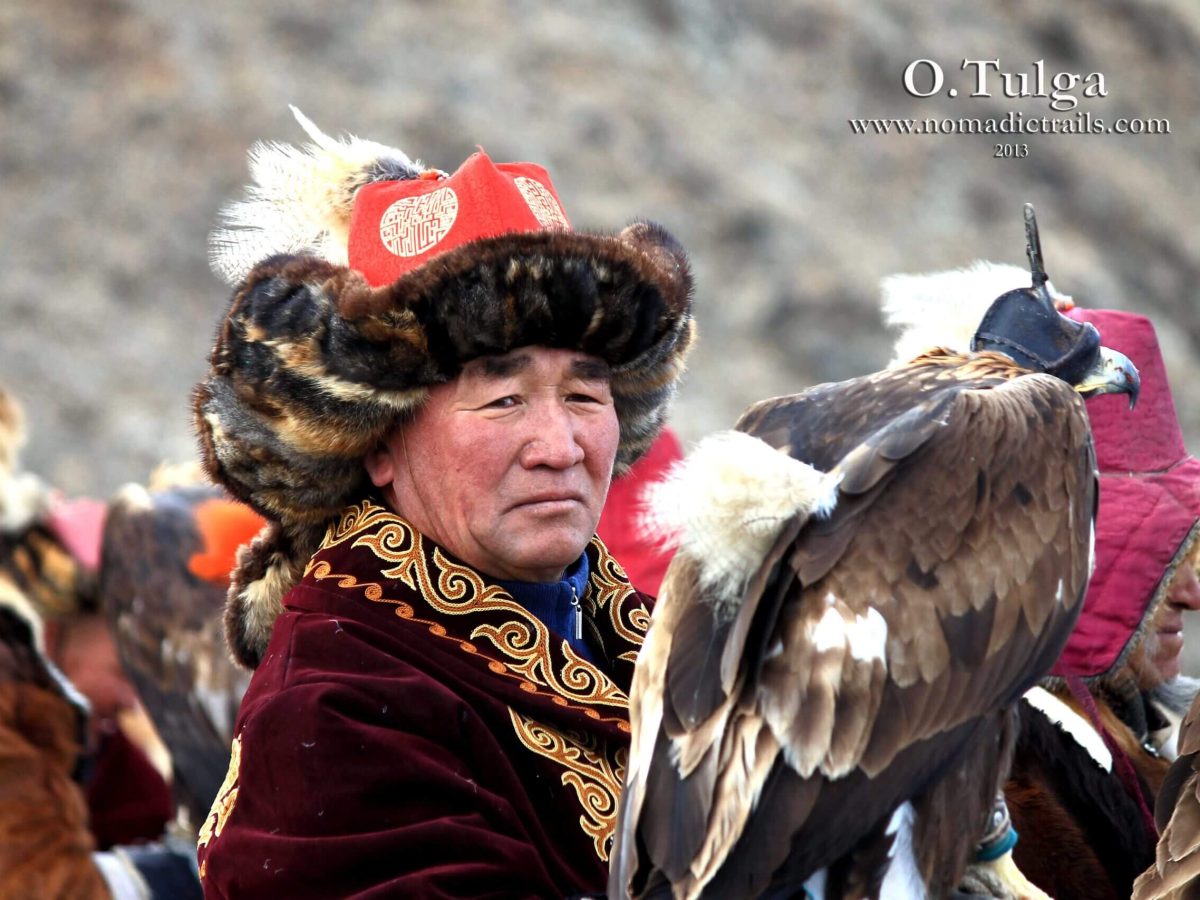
point(1112, 373)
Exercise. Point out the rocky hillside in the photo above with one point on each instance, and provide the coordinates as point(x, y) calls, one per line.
point(125, 123)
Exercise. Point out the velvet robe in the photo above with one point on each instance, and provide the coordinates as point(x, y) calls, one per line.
point(413, 732)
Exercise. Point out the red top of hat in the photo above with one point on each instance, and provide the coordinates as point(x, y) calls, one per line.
point(1149, 499)
point(397, 226)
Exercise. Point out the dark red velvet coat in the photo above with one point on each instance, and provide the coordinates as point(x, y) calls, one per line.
point(413, 732)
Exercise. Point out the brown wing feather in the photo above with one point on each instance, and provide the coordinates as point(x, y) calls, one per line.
point(977, 600)
point(1175, 874)
point(694, 688)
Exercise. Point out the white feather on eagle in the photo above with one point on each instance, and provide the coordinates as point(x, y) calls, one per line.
point(943, 309)
point(724, 505)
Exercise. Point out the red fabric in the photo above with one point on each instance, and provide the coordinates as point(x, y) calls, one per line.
point(397, 226)
point(1149, 498)
point(644, 560)
point(1121, 763)
point(128, 801)
point(388, 743)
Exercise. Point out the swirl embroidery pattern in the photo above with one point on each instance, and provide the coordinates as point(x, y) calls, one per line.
point(225, 800)
point(595, 781)
point(453, 589)
point(630, 620)
point(524, 648)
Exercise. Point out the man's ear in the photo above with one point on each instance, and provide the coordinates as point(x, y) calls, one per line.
point(380, 464)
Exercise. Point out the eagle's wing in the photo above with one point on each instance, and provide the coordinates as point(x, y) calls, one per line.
point(1175, 874)
point(864, 649)
point(163, 591)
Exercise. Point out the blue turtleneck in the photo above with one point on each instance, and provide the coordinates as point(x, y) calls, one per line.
point(557, 603)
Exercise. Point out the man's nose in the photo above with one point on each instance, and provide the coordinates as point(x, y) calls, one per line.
point(1185, 589)
point(553, 438)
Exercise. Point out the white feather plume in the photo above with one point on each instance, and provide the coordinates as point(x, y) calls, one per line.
point(944, 309)
point(300, 199)
point(727, 501)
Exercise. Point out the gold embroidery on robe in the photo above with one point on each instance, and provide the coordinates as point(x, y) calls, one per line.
point(455, 590)
point(225, 800)
point(630, 620)
point(595, 779)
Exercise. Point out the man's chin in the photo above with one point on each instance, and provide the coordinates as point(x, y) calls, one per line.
point(1163, 669)
point(563, 523)
point(1170, 670)
point(552, 556)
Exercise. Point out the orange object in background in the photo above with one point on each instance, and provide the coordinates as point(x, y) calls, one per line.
point(224, 525)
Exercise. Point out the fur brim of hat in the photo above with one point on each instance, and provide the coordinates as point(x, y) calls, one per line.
point(312, 367)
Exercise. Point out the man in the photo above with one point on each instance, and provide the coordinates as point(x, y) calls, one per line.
point(442, 648)
point(1096, 740)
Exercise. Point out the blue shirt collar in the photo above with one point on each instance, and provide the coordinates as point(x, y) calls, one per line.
point(551, 602)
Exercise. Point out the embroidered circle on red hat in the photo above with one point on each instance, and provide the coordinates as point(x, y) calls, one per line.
point(411, 226)
point(542, 204)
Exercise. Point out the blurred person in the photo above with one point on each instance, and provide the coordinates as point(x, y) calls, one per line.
point(82, 809)
point(166, 551)
point(125, 780)
point(1098, 736)
point(129, 800)
point(46, 847)
point(1175, 872)
point(442, 648)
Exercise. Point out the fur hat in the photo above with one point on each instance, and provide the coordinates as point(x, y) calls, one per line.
point(361, 280)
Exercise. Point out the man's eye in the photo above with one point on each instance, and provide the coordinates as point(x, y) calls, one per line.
point(584, 398)
point(505, 402)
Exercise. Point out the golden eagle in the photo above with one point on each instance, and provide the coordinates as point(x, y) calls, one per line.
point(869, 575)
point(164, 574)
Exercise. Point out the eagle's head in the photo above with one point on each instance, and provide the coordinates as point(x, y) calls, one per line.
point(1025, 325)
point(977, 308)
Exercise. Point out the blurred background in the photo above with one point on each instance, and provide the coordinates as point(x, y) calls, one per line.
point(124, 126)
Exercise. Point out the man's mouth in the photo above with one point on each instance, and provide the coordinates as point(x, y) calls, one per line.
point(549, 501)
point(1173, 625)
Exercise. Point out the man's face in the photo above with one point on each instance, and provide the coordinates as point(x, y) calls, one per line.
point(1163, 646)
point(508, 465)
